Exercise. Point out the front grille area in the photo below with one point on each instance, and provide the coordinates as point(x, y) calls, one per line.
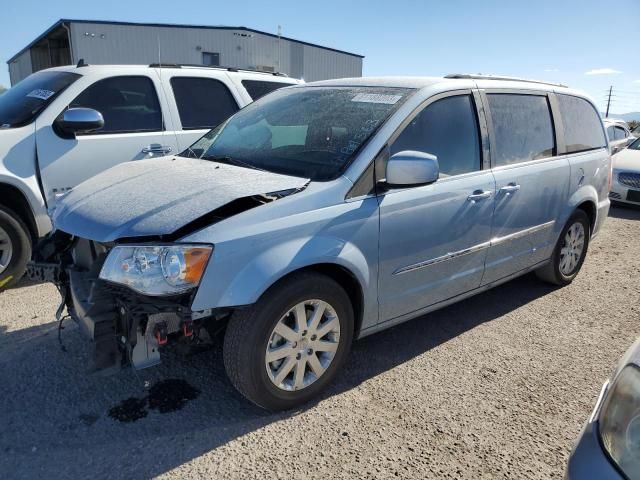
point(630, 179)
point(615, 195)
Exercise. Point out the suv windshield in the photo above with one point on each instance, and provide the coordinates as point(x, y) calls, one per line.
point(310, 132)
point(21, 104)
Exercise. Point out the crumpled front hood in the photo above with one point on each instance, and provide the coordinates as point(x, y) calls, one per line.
point(158, 196)
point(627, 159)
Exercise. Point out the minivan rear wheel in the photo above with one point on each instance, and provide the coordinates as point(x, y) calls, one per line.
point(15, 248)
point(285, 349)
point(570, 251)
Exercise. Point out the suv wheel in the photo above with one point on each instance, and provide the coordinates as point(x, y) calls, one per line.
point(15, 248)
point(570, 251)
point(286, 348)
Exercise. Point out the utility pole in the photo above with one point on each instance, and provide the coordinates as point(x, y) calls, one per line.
point(606, 115)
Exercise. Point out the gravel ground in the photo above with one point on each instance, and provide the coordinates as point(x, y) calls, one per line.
point(497, 386)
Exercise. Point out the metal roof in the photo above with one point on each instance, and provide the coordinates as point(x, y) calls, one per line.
point(171, 25)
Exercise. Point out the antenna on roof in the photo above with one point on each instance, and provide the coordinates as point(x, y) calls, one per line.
point(81, 63)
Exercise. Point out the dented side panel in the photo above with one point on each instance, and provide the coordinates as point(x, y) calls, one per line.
point(244, 266)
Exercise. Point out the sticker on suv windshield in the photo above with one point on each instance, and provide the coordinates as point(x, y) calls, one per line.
point(41, 94)
point(376, 98)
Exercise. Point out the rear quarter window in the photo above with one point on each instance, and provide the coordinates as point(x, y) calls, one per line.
point(583, 128)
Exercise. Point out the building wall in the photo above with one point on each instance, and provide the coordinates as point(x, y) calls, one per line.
point(125, 44)
point(20, 67)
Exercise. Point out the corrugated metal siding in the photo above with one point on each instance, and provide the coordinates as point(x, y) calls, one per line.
point(122, 44)
point(20, 68)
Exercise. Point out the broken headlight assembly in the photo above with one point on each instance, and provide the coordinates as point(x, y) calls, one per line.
point(157, 270)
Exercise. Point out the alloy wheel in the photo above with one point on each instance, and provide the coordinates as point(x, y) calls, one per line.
point(302, 345)
point(572, 249)
point(6, 250)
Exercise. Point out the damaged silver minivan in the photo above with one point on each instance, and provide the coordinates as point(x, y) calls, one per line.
point(326, 212)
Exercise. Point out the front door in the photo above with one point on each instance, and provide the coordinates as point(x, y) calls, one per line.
point(434, 238)
point(532, 182)
point(135, 128)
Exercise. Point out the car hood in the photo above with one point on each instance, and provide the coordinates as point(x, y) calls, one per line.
point(156, 197)
point(627, 160)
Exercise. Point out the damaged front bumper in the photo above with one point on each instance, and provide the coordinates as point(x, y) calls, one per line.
point(126, 328)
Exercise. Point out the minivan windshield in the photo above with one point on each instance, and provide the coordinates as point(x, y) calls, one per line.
point(21, 104)
point(309, 132)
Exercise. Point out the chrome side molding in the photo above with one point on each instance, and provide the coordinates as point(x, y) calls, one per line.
point(476, 248)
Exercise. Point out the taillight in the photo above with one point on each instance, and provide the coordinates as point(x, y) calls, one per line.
point(610, 173)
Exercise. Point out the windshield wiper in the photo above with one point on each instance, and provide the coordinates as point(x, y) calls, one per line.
point(231, 161)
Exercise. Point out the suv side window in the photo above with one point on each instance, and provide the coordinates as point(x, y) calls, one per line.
point(128, 104)
point(447, 128)
point(522, 128)
point(620, 133)
point(611, 133)
point(202, 102)
point(259, 88)
point(582, 125)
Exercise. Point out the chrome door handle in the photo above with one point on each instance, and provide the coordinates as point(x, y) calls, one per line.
point(163, 149)
point(509, 189)
point(479, 195)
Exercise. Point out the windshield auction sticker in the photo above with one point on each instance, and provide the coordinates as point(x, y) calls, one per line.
point(41, 94)
point(376, 98)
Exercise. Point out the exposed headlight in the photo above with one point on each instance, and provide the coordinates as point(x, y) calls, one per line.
point(157, 270)
point(620, 422)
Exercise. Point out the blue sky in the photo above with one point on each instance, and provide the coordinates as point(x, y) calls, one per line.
point(587, 44)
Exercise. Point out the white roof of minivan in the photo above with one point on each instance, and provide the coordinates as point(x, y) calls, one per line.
point(461, 81)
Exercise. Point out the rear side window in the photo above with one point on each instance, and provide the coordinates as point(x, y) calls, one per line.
point(582, 125)
point(202, 102)
point(128, 104)
point(620, 134)
point(611, 133)
point(259, 88)
point(448, 129)
point(522, 127)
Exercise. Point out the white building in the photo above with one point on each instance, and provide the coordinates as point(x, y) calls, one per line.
point(103, 42)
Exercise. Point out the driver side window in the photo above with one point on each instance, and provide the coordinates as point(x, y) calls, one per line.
point(447, 128)
point(128, 104)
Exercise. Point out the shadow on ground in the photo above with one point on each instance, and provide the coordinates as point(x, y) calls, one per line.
point(624, 212)
point(54, 415)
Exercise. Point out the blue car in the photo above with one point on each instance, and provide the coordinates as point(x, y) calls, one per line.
point(609, 445)
point(326, 212)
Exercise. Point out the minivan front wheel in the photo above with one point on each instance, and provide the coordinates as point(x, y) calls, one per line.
point(15, 248)
point(570, 251)
point(285, 349)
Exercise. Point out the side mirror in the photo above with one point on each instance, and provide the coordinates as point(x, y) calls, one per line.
point(79, 120)
point(410, 168)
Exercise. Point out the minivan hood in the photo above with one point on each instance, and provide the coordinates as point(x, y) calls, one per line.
point(156, 197)
point(627, 160)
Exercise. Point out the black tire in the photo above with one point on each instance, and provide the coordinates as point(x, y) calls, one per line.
point(249, 331)
point(20, 244)
point(551, 272)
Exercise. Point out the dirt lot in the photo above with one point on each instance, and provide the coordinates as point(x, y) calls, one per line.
point(497, 386)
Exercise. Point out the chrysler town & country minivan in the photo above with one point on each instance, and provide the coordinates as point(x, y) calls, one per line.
point(325, 212)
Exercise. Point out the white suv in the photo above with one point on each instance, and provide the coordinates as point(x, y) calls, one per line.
point(60, 126)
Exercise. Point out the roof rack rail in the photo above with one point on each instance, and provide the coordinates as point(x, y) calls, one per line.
point(479, 76)
point(215, 67)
